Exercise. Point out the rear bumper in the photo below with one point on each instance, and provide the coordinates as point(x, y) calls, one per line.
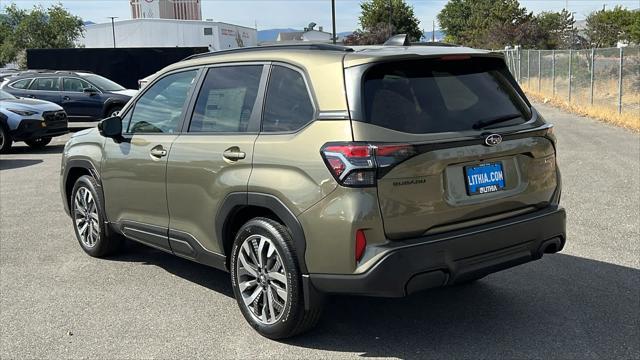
point(32, 129)
point(450, 258)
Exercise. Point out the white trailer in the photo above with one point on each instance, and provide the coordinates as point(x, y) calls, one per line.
point(169, 33)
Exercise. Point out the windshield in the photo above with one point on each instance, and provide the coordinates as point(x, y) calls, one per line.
point(436, 95)
point(6, 96)
point(102, 83)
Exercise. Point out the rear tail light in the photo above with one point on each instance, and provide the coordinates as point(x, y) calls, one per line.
point(360, 164)
point(361, 244)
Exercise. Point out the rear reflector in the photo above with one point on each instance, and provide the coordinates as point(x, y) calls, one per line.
point(361, 244)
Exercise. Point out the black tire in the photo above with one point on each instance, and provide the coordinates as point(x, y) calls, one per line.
point(5, 139)
point(111, 110)
point(293, 319)
point(39, 143)
point(106, 242)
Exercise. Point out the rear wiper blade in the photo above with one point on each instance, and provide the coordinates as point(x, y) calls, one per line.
point(484, 123)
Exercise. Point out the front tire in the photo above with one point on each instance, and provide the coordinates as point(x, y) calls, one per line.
point(113, 111)
point(5, 139)
point(267, 282)
point(87, 213)
point(39, 143)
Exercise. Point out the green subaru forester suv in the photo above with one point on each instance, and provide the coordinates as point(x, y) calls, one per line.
point(306, 170)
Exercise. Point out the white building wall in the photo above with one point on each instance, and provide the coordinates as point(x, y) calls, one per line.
point(169, 33)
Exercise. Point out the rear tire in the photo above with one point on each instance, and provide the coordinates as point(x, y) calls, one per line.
point(267, 282)
point(5, 139)
point(87, 215)
point(39, 143)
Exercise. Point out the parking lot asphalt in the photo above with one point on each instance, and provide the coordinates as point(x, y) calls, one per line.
point(584, 303)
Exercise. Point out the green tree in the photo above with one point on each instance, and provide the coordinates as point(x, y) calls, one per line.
point(383, 18)
point(485, 23)
point(606, 27)
point(557, 30)
point(38, 28)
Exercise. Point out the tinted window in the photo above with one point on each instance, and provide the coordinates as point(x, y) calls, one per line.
point(21, 84)
point(287, 105)
point(160, 108)
point(45, 84)
point(432, 96)
point(227, 99)
point(74, 85)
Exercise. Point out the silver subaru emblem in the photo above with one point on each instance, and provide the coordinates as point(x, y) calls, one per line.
point(493, 140)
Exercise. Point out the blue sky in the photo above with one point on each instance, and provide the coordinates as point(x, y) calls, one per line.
point(298, 13)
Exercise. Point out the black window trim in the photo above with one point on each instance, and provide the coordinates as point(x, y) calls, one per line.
point(256, 115)
point(132, 104)
point(310, 93)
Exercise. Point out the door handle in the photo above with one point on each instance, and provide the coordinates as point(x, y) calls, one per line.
point(234, 154)
point(31, 96)
point(158, 151)
point(66, 98)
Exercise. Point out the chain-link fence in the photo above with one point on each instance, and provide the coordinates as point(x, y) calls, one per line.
point(606, 80)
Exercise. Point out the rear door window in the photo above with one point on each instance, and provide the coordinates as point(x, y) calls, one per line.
point(435, 96)
point(227, 99)
point(45, 84)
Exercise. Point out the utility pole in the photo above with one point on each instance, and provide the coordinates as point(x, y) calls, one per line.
point(333, 19)
point(433, 32)
point(113, 29)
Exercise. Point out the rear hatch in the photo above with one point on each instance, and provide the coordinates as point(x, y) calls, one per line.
point(455, 142)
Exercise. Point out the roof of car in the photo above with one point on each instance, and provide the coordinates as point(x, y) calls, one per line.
point(308, 54)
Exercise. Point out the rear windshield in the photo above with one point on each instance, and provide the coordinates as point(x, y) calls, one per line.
point(436, 95)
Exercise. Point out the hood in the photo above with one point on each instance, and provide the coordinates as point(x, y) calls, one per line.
point(29, 105)
point(126, 92)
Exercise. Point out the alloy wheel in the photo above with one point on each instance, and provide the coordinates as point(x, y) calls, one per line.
point(86, 218)
point(262, 279)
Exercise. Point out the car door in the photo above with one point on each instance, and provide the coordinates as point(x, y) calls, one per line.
point(45, 88)
point(134, 169)
point(213, 156)
point(78, 103)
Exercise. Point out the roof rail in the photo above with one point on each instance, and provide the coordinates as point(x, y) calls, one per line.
point(433, 43)
point(72, 71)
point(311, 46)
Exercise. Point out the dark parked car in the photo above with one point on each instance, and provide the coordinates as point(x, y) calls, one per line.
point(84, 96)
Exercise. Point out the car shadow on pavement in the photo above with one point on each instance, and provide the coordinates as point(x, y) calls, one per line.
point(6, 164)
point(49, 149)
point(559, 307)
point(202, 275)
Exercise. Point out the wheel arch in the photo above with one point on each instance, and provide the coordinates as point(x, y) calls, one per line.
point(238, 208)
point(74, 169)
point(110, 103)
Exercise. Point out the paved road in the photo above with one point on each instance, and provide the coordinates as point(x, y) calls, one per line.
point(583, 303)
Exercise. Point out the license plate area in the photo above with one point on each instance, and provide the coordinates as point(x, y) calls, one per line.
point(484, 178)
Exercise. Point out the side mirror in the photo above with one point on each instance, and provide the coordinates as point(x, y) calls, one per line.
point(111, 128)
point(90, 91)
